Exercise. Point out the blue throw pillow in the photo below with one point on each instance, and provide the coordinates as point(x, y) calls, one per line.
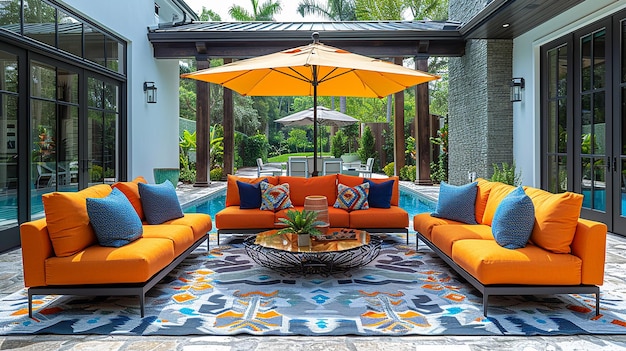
point(380, 193)
point(249, 194)
point(114, 219)
point(457, 202)
point(159, 201)
point(513, 220)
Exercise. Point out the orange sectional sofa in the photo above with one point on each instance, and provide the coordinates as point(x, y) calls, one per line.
point(61, 254)
point(565, 253)
point(234, 220)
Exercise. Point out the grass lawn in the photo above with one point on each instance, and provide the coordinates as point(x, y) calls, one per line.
point(285, 157)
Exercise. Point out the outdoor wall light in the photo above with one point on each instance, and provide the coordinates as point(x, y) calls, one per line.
point(517, 84)
point(151, 92)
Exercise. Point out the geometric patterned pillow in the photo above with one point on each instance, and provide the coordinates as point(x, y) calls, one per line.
point(352, 199)
point(274, 197)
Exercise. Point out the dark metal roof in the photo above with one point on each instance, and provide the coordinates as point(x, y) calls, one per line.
point(246, 39)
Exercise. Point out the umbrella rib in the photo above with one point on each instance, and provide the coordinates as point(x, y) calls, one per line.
point(297, 74)
point(327, 76)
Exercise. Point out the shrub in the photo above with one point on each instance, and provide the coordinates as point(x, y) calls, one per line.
point(388, 169)
point(408, 172)
point(187, 176)
point(506, 175)
point(216, 174)
point(368, 145)
point(339, 145)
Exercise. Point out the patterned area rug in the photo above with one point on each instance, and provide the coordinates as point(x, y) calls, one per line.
point(402, 292)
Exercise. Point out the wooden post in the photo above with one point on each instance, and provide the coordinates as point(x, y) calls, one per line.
point(399, 143)
point(229, 131)
point(422, 128)
point(203, 124)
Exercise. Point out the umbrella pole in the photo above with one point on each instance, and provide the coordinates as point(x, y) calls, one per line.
point(314, 174)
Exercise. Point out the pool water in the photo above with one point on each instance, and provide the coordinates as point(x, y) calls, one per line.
point(410, 201)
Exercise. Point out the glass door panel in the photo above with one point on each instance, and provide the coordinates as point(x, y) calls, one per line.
point(8, 143)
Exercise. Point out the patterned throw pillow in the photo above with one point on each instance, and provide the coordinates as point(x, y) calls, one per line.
point(514, 219)
point(352, 199)
point(457, 203)
point(275, 197)
point(114, 219)
point(159, 201)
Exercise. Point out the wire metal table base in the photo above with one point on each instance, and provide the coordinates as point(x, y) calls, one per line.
point(313, 262)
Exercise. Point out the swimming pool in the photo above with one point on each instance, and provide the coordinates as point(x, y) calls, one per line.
point(410, 201)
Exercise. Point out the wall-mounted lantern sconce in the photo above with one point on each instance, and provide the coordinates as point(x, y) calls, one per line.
point(517, 84)
point(151, 92)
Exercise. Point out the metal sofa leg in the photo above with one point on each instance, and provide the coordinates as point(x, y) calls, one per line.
point(597, 302)
point(142, 300)
point(30, 304)
point(485, 303)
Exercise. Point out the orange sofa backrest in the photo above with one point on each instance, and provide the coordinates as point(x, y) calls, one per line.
point(300, 188)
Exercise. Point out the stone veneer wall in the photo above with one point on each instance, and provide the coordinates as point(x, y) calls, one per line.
point(480, 112)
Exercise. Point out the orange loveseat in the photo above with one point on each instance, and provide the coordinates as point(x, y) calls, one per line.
point(234, 220)
point(61, 254)
point(565, 254)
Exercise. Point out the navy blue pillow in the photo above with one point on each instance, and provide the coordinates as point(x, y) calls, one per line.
point(249, 194)
point(159, 201)
point(457, 202)
point(114, 219)
point(380, 193)
point(514, 220)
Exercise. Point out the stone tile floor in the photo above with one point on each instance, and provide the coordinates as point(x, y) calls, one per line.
point(11, 281)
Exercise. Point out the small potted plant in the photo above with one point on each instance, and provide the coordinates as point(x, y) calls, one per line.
point(303, 224)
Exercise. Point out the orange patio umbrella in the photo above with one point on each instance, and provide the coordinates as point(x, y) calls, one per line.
point(313, 70)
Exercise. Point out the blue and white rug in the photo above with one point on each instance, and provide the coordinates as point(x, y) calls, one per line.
point(402, 292)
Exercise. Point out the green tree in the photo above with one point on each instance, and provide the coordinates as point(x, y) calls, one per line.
point(372, 10)
point(335, 10)
point(368, 145)
point(260, 12)
point(209, 15)
point(298, 139)
point(339, 144)
point(436, 10)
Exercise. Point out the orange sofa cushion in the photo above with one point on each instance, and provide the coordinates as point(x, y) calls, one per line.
point(181, 236)
point(497, 193)
point(232, 217)
point(300, 188)
point(424, 223)
point(482, 195)
point(393, 217)
point(232, 190)
point(106, 265)
point(556, 218)
point(446, 236)
point(353, 181)
point(200, 223)
point(68, 221)
point(131, 190)
point(490, 263)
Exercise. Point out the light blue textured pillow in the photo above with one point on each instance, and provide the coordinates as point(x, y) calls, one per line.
point(513, 220)
point(159, 201)
point(114, 219)
point(457, 202)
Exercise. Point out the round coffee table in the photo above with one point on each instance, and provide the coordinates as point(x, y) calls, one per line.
point(281, 252)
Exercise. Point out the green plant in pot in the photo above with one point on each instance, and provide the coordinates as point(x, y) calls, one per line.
point(303, 223)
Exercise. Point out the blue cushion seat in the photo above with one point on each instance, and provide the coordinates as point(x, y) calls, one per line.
point(380, 193)
point(114, 219)
point(457, 203)
point(159, 201)
point(513, 220)
point(249, 194)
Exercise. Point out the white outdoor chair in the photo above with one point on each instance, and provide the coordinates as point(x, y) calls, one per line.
point(298, 167)
point(332, 166)
point(45, 173)
point(366, 169)
point(267, 168)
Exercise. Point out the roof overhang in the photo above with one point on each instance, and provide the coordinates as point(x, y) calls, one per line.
point(501, 19)
point(248, 39)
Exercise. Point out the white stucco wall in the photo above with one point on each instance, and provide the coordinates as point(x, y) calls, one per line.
point(153, 128)
point(526, 63)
